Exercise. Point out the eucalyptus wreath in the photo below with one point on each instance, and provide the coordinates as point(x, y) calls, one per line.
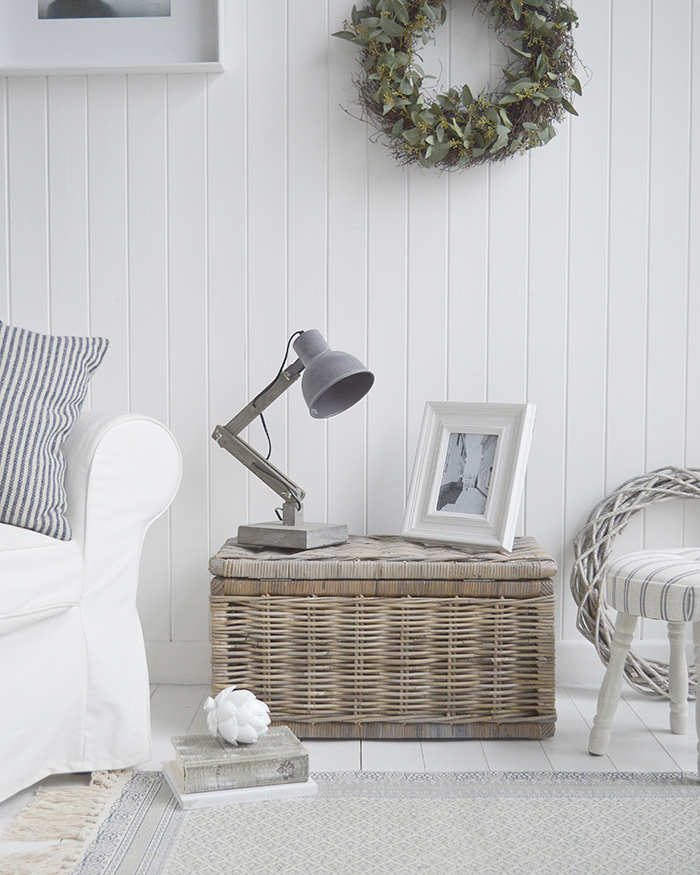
point(453, 129)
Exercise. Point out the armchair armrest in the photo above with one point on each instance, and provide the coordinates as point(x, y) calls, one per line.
point(122, 472)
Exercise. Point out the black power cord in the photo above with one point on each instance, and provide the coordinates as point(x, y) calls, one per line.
point(262, 418)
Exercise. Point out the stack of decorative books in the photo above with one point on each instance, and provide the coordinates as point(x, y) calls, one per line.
point(208, 771)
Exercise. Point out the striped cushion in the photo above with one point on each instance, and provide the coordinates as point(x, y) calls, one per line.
point(43, 382)
point(660, 584)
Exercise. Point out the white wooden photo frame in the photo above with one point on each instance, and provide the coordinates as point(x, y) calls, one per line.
point(187, 39)
point(469, 473)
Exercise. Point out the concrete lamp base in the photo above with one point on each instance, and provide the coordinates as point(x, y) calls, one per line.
point(303, 536)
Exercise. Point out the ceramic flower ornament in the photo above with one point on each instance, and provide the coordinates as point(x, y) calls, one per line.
point(237, 715)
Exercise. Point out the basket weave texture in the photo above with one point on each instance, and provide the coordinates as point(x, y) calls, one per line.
point(383, 638)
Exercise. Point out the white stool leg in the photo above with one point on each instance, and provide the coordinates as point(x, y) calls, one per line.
point(612, 684)
point(678, 679)
point(696, 641)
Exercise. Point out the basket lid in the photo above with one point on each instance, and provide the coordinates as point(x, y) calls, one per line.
point(384, 557)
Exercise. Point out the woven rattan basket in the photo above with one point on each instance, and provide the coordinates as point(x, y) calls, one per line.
point(381, 638)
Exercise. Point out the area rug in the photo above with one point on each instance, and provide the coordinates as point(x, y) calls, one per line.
point(360, 823)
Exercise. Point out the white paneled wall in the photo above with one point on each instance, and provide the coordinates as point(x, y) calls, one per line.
point(198, 220)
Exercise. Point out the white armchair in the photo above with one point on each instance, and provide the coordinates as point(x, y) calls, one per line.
point(74, 694)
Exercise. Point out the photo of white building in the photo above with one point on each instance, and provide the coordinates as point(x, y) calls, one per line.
point(466, 475)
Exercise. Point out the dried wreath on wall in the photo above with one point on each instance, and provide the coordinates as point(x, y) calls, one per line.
point(454, 129)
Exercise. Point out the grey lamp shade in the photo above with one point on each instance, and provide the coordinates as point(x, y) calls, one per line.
point(332, 381)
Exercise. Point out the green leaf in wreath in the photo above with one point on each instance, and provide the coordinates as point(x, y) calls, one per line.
point(412, 136)
point(520, 86)
point(515, 144)
point(552, 92)
point(437, 152)
point(391, 27)
point(568, 106)
point(520, 52)
point(573, 82)
point(567, 15)
point(401, 12)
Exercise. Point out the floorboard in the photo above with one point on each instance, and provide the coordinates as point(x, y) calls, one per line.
point(392, 756)
point(454, 756)
point(641, 742)
point(333, 756)
point(567, 750)
point(655, 717)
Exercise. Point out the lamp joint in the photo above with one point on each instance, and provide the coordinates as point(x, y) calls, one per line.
point(292, 513)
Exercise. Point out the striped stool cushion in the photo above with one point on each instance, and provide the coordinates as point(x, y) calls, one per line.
point(659, 584)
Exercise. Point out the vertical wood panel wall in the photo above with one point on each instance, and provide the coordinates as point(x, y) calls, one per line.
point(198, 220)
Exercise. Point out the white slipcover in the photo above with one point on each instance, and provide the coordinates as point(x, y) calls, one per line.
point(74, 694)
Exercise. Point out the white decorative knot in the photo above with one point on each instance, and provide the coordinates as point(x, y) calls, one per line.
point(237, 715)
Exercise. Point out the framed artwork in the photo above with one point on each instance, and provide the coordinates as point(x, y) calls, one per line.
point(49, 37)
point(469, 473)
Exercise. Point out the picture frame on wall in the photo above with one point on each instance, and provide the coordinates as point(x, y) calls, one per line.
point(469, 474)
point(69, 37)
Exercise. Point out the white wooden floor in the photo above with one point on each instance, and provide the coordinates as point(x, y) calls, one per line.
point(641, 742)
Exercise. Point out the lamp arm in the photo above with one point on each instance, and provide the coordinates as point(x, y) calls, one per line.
point(266, 471)
point(277, 387)
point(227, 436)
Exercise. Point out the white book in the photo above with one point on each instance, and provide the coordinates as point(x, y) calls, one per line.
point(213, 798)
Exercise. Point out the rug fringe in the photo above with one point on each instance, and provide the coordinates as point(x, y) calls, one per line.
point(58, 860)
point(65, 813)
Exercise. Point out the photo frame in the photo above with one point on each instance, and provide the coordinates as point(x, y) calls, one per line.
point(469, 473)
point(178, 36)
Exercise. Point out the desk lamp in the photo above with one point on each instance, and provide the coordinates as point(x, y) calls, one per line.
point(332, 381)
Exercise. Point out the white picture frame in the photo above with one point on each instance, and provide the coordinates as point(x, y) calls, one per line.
point(188, 39)
point(469, 474)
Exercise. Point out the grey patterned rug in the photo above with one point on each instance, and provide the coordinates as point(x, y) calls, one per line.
point(490, 823)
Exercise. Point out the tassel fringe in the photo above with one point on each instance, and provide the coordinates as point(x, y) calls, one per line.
point(66, 814)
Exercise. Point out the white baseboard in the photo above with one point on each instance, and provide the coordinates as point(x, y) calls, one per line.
point(179, 662)
point(578, 661)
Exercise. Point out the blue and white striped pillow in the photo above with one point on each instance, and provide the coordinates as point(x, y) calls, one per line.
point(43, 382)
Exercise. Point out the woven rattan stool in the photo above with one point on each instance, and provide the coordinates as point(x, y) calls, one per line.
point(659, 585)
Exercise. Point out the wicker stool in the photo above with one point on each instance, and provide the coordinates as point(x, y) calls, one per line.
point(659, 585)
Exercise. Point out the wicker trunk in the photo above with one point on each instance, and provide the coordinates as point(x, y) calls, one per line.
point(384, 638)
